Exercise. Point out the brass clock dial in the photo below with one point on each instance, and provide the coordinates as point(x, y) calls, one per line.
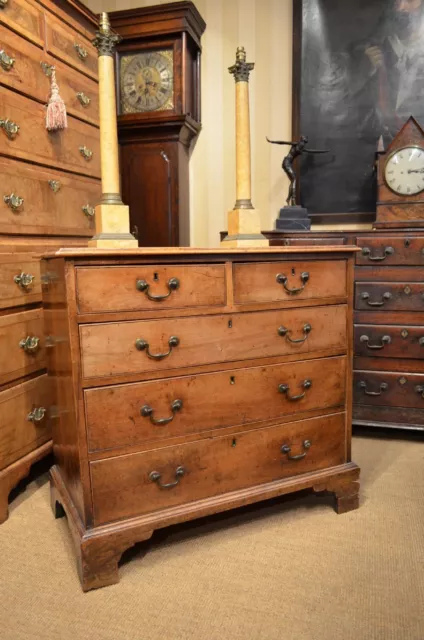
point(404, 171)
point(147, 81)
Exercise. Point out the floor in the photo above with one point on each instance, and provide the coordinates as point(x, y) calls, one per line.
point(287, 570)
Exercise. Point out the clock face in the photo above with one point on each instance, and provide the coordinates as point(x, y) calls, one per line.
point(404, 171)
point(147, 81)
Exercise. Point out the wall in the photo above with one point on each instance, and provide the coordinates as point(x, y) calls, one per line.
point(264, 28)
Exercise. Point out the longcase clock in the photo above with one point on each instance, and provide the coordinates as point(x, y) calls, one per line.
point(158, 93)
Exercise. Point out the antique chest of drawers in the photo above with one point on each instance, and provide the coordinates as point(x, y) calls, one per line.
point(188, 382)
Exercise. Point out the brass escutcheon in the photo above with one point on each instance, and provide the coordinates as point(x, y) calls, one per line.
point(84, 100)
point(6, 62)
point(54, 185)
point(13, 201)
point(404, 333)
point(36, 415)
point(402, 380)
point(24, 280)
point(82, 53)
point(407, 290)
point(86, 153)
point(47, 68)
point(10, 128)
point(30, 344)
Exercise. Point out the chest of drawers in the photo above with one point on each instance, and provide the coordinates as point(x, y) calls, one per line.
point(190, 382)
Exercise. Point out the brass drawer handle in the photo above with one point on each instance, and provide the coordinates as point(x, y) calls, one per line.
point(385, 297)
point(155, 476)
point(143, 345)
point(82, 53)
point(3, 3)
point(282, 279)
point(363, 385)
point(284, 388)
point(54, 185)
point(86, 153)
point(286, 449)
point(384, 340)
point(30, 344)
point(13, 201)
point(147, 412)
point(421, 342)
point(143, 286)
point(24, 280)
point(283, 331)
point(6, 62)
point(420, 389)
point(47, 68)
point(89, 211)
point(36, 415)
point(10, 128)
point(84, 100)
point(388, 251)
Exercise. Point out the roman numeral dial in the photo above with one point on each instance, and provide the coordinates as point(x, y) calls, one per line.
point(147, 81)
point(404, 171)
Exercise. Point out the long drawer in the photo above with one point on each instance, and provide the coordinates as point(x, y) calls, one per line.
point(25, 18)
point(278, 281)
point(24, 419)
point(71, 47)
point(388, 416)
point(37, 201)
point(135, 484)
point(69, 149)
point(120, 348)
point(389, 341)
point(394, 296)
point(389, 389)
point(389, 250)
point(148, 411)
point(20, 281)
point(21, 344)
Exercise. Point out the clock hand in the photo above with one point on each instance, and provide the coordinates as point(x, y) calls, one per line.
point(416, 170)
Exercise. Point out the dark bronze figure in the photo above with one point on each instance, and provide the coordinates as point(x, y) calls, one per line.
point(296, 149)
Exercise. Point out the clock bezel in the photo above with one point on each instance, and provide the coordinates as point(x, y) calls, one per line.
point(389, 157)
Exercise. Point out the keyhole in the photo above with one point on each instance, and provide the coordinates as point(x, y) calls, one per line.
point(407, 242)
point(230, 324)
point(156, 276)
point(234, 442)
point(293, 271)
point(232, 380)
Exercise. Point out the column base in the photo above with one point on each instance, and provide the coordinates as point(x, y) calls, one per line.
point(244, 229)
point(245, 240)
point(112, 228)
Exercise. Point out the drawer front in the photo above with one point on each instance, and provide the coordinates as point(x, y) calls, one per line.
point(23, 425)
point(121, 348)
point(20, 282)
point(129, 414)
point(394, 417)
point(278, 281)
point(382, 250)
point(37, 201)
point(33, 142)
point(24, 17)
point(71, 47)
point(21, 344)
point(389, 389)
point(149, 288)
point(213, 466)
point(317, 242)
point(389, 341)
point(400, 296)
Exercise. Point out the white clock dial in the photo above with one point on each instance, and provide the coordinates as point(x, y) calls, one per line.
point(404, 171)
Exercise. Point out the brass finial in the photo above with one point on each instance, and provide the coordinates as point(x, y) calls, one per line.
point(241, 69)
point(241, 54)
point(104, 24)
point(106, 40)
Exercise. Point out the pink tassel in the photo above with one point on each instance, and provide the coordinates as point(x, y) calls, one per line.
point(56, 111)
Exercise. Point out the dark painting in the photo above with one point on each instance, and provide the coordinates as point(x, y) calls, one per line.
point(360, 75)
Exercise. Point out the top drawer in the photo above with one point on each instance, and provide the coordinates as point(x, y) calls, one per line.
point(280, 281)
point(387, 250)
point(23, 17)
point(107, 289)
point(71, 47)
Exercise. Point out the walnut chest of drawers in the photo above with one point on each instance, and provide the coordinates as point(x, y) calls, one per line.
point(189, 382)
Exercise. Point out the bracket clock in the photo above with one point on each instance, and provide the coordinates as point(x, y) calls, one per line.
point(158, 94)
point(400, 179)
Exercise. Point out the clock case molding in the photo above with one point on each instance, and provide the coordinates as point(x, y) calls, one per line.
point(155, 146)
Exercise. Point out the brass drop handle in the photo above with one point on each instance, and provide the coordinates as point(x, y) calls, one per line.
point(387, 251)
point(363, 385)
point(36, 415)
point(283, 331)
point(282, 279)
point(155, 476)
point(286, 449)
point(82, 53)
point(10, 128)
point(88, 210)
point(284, 388)
point(13, 201)
point(24, 280)
point(143, 345)
point(143, 286)
point(3, 3)
point(420, 389)
point(421, 342)
point(86, 153)
point(147, 412)
point(30, 344)
point(54, 185)
point(6, 62)
point(84, 100)
point(385, 297)
point(47, 68)
point(384, 340)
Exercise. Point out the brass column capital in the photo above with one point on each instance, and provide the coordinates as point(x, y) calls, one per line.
point(105, 40)
point(241, 69)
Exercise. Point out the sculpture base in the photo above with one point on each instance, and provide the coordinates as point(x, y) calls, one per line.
point(112, 228)
point(244, 229)
point(293, 219)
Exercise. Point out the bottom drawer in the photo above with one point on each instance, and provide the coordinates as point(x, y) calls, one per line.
point(140, 483)
point(383, 388)
point(24, 422)
point(392, 417)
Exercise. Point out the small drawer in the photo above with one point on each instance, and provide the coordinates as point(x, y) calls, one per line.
point(282, 281)
point(121, 348)
point(71, 47)
point(389, 341)
point(35, 201)
point(24, 17)
point(387, 250)
point(389, 295)
point(145, 482)
point(21, 344)
point(308, 242)
point(148, 411)
point(20, 281)
point(24, 419)
point(149, 288)
point(389, 389)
